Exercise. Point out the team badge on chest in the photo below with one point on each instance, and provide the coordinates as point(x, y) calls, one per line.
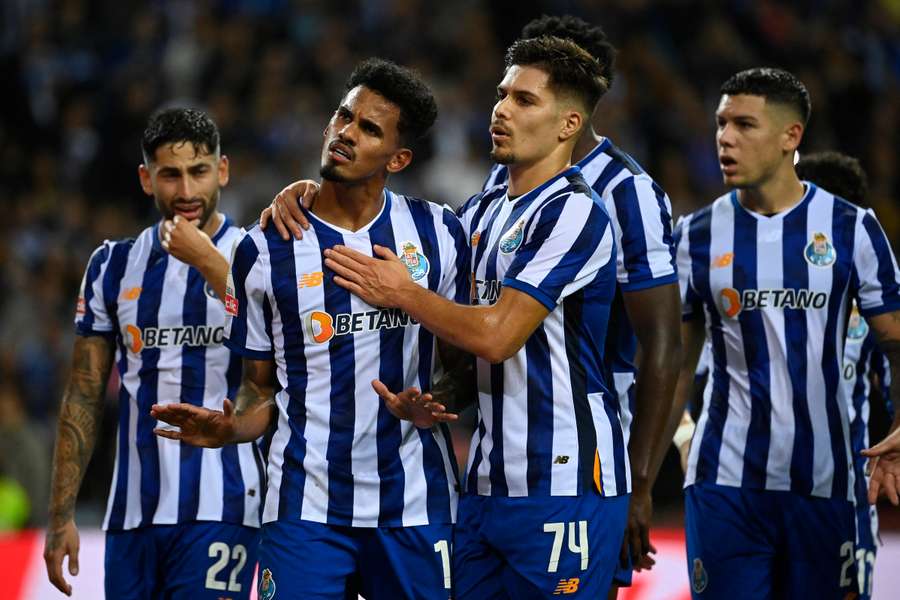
point(512, 239)
point(415, 261)
point(819, 252)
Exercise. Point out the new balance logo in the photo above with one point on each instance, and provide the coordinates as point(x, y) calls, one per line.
point(567, 586)
point(561, 460)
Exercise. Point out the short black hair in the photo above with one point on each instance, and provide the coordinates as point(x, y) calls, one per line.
point(775, 85)
point(838, 173)
point(171, 125)
point(571, 69)
point(403, 87)
point(590, 37)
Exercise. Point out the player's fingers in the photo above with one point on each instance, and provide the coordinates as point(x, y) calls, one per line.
point(54, 573)
point(168, 434)
point(645, 541)
point(444, 417)
point(286, 208)
point(264, 216)
point(383, 391)
point(296, 213)
point(343, 271)
point(384, 252)
point(351, 287)
point(353, 255)
point(278, 217)
point(874, 488)
point(890, 488)
point(73, 560)
point(227, 408)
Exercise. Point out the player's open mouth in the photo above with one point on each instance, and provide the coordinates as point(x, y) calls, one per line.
point(340, 152)
point(190, 211)
point(728, 165)
point(499, 133)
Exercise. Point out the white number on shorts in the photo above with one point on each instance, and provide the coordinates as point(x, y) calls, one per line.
point(846, 549)
point(578, 542)
point(865, 567)
point(443, 548)
point(238, 553)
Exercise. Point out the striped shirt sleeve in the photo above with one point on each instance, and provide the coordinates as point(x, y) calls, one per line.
point(91, 311)
point(646, 248)
point(875, 268)
point(690, 301)
point(567, 242)
point(455, 273)
point(249, 323)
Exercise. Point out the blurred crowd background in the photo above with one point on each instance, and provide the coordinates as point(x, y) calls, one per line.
point(83, 76)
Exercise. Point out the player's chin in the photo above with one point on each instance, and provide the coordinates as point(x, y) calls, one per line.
point(502, 156)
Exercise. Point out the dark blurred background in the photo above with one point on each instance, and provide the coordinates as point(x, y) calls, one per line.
point(84, 76)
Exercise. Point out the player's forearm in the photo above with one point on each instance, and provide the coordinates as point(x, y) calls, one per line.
point(456, 389)
point(475, 329)
point(214, 269)
point(654, 397)
point(79, 425)
point(254, 404)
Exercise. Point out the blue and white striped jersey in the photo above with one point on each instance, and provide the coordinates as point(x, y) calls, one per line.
point(862, 361)
point(641, 216)
point(547, 424)
point(338, 456)
point(168, 328)
point(775, 292)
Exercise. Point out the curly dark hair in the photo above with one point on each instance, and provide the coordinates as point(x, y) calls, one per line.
point(403, 87)
point(571, 69)
point(775, 85)
point(590, 37)
point(838, 173)
point(170, 125)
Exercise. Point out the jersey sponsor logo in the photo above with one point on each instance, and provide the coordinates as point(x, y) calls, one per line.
point(476, 237)
point(733, 302)
point(231, 301)
point(512, 239)
point(723, 260)
point(266, 585)
point(132, 293)
point(567, 586)
point(699, 578)
point(857, 328)
point(487, 290)
point(308, 280)
point(819, 252)
point(170, 337)
point(322, 326)
point(415, 261)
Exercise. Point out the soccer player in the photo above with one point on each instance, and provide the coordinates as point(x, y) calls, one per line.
point(547, 483)
point(647, 306)
point(357, 500)
point(768, 272)
point(181, 522)
point(843, 176)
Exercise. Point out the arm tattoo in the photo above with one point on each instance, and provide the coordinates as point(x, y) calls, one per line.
point(79, 424)
point(256, 388)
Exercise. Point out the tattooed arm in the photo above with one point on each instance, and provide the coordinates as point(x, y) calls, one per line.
point(885, 457)
point(245, 422)
point(79, 424)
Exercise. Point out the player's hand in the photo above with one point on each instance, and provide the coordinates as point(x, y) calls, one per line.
point(285, 211)
point(884, 468)
point(378, 281)
point(183, 240)
point(199, 426)
point(61, 541)
point(637, 533)
point(411, 405)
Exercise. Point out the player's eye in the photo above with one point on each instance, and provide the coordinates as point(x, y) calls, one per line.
point(524, 101)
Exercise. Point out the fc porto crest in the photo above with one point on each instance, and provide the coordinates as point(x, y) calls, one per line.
point(819, 252)
point(699, 578)
point(415, 261)
point(512, 239)
point(857, 328)
point(266, 585)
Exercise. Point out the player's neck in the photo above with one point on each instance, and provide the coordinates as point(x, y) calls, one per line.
point(778, 194)
point(213, 224)
point(586, 143)
point(524, 177)
point(349, 206)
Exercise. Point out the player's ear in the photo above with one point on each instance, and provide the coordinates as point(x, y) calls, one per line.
point(144, 176)
point(400, 160)
point(571, 124)
point(224, 171)
point(793, 134)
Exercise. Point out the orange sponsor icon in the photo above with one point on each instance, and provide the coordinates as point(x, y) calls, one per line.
point(135, 333)
point(321, 321)
point(723, 260)
point(731, 302)
point(567, 586)
point(310, 279)
point(131, 293)
point(476, 237)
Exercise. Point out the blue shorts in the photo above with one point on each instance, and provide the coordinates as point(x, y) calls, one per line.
point(309, 560)
point(866, 547)
point(537, 547)
point(749, 544)
point(624, 570)
point(203, 560)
